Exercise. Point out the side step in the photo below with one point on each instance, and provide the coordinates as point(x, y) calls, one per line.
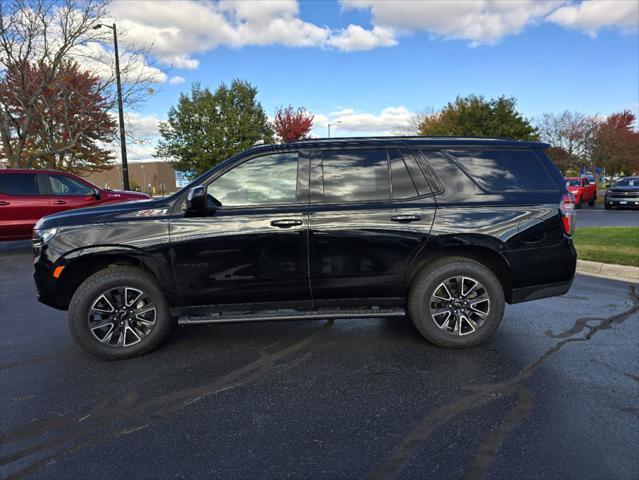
point(288, 314)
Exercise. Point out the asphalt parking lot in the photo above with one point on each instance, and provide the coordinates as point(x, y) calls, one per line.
point(554, 394)
point(599, 217)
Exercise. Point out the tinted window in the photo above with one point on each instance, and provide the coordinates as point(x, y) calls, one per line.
point(356, 175)
point(63, 185)
point(266, 180)
point(572, 183)
point(19, 184)
point(403, 186)
point(504, 170)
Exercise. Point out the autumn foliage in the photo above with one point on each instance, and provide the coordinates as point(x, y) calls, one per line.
point(291, 125)
point(56, 121)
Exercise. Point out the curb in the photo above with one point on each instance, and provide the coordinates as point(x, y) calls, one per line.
point(608, 270)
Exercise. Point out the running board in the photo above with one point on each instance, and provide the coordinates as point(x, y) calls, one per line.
point(288, 314)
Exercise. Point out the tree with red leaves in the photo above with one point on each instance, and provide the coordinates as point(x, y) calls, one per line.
point(291, 125)
point(616, 145)
point(65, 126)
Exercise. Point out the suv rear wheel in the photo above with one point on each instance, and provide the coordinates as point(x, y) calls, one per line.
point(119, 312)
point(456, 302)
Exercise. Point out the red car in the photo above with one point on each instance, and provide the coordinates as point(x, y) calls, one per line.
point(583, 190)
point(28, 195)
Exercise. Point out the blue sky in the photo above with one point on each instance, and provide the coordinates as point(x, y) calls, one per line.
point(373, 65)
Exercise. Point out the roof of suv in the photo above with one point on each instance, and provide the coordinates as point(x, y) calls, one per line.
point(406, 141)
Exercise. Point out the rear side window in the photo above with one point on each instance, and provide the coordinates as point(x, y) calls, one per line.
point(504, 170)
point(355, 175)
point(19, 184)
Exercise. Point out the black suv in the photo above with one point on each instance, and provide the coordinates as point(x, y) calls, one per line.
point(446, 230)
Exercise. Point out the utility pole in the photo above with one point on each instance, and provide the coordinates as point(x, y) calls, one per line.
point(125, 164)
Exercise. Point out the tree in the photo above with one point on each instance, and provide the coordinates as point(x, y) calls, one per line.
point(44, 35)
point(571, 136)
point(206, 128)
point(616, 143)
point(67, 128)
point(474, 116)
point(291, 125)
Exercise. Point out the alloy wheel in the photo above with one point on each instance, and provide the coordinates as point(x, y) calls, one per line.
point(460, 305)
point(122, 317)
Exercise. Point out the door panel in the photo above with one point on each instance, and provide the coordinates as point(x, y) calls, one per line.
point(66, 193)
point(363, 253)
point(243, 256)
point(254, 247)
point(362, 249)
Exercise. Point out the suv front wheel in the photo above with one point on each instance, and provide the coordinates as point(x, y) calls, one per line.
point(456, 302)
point(119, 312)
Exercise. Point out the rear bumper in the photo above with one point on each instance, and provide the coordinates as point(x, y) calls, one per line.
point(540, 291)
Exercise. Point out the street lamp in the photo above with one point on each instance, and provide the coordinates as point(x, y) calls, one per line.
point(125, 166)
point(329, 126)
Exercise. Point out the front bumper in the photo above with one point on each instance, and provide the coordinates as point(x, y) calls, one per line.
point(632, 202)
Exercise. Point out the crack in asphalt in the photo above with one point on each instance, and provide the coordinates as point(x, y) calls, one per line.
point(485, 394)
point(99, 423)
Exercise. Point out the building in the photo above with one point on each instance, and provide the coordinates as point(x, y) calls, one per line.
point(156, 178)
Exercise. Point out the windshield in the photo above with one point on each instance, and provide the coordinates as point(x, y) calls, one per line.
point(572, 183)
point(627, 182)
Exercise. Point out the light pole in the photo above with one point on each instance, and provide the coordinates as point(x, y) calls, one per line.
point(125, 165)
point(329, 126)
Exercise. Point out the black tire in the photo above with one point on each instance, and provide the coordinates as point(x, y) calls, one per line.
point(607, 207)
point(424, 286)
point(110, 279)
point(591, 203)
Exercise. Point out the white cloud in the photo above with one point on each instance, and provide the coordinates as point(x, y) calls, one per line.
point(480, 21)
point(177, 30)
point(348, 121)
point(141, 126)
point(592, 15)
point(176, 80)
point(355, 37)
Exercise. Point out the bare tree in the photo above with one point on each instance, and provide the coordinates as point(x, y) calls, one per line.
point(571, 134)
point(45, 34)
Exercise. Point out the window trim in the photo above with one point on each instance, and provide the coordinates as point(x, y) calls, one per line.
point(298, 202)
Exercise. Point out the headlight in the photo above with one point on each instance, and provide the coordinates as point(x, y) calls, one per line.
point(43, 235)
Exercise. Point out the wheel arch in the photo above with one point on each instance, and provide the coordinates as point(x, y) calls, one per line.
point(481, 248)
point(81, 264)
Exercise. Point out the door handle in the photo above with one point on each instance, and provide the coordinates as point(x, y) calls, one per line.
point(405, 218)
point(3, 203)
point(285, 223)
point(59, 202)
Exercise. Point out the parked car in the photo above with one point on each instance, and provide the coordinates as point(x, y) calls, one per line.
point(623, 193)
point(446, 230)
point(583, 190)
point(28, 195)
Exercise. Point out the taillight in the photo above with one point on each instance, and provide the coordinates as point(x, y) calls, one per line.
point(568, 215)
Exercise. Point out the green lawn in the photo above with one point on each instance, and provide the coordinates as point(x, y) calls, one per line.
point(618, 245)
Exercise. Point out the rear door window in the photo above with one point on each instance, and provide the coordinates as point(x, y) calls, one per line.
point(19, 184)
point(355, 175)
point(504, 170)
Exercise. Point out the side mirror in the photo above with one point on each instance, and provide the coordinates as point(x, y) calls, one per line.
point(196, 201)
point(94, 193)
